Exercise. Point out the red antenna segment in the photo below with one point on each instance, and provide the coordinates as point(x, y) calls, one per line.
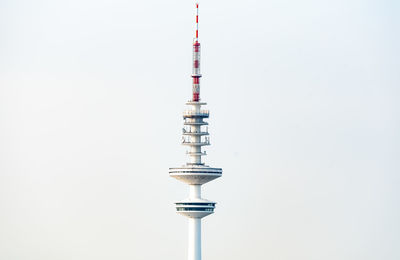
point(196, 61)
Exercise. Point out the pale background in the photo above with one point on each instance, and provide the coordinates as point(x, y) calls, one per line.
point(304, 100)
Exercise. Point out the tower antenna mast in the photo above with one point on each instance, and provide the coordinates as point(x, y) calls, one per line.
point(196, 75)
point(197, 21)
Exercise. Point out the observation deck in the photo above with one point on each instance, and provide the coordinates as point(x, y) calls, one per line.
point(195, 208)
point(195, 174)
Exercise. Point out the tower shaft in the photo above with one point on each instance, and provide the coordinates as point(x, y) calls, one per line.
point(194, 248)
point(194, 240)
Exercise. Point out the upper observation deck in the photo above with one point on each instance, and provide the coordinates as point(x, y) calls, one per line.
point(195, 174)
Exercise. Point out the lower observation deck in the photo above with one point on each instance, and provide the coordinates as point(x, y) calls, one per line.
point(195, 174)
point(195, 208)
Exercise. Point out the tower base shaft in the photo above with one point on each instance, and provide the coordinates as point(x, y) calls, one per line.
point(194, 239)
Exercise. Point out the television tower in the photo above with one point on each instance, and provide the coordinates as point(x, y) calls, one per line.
point(195, 172)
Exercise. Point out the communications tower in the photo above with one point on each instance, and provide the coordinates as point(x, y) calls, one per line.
point(195, 172)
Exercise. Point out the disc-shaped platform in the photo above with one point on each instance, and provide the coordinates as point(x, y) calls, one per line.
point(195, 208)
point(196, 175)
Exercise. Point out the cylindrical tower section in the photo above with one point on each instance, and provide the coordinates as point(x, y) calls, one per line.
point(194, 252)
point(196, 58)
point(195, 191)
point(196, 150)
point(194, 136)
point(196, 71)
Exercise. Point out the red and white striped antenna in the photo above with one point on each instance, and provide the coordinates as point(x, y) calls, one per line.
point(197, 21)
point(196, 61)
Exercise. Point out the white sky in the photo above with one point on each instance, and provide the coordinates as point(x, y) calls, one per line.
point(304, 122)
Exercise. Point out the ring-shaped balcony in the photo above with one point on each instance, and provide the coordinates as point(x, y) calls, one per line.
point(195, 133)
point(196, 114)
point(195, 209)
point(195, 123)
point(196, 144)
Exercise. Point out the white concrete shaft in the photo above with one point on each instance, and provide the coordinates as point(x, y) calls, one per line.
point(194, 252)
point(195, 191)
point(196, 159)
point(196, 107)
point(195, 149)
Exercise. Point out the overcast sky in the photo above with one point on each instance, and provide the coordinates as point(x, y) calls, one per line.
point(304, 100)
